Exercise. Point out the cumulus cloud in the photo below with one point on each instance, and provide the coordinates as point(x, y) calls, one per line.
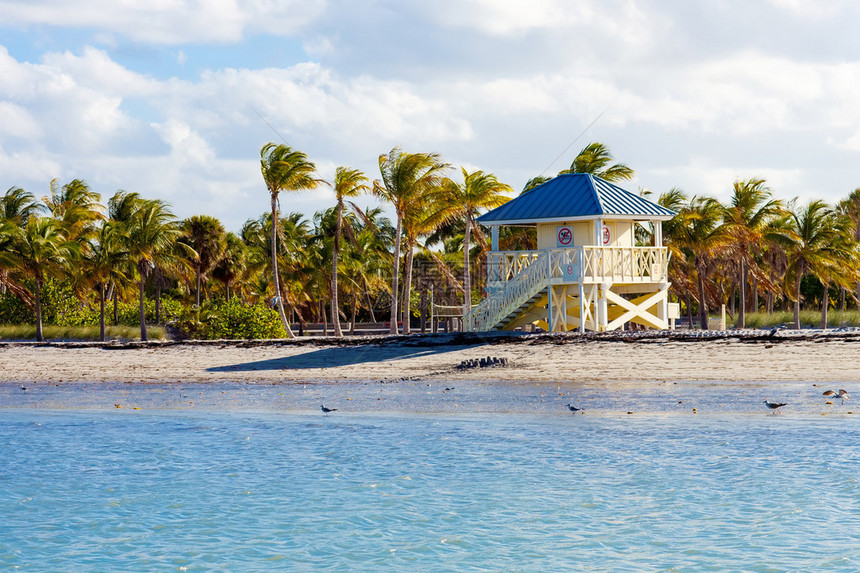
point(680, 95)
point(168, 21)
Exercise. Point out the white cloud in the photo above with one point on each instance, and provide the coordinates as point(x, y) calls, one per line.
point(167, 21)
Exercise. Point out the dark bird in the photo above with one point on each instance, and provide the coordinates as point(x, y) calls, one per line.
point(829, 393)
point(775, 406)
point(327, 410)
point(573, 408)
point(23, 387)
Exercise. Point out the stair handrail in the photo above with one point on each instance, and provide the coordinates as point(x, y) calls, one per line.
point(501, 303)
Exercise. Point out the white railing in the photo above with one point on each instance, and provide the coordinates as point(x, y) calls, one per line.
point(512, 294)
point(503, 266)
point(623, 264)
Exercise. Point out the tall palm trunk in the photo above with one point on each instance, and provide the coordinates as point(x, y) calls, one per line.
point(276, 280)
point(39, 336)
point(467, 277)
point(354, 309)
point(335, 307)
point(395, 282)
point(703, 306)
point(689, 311)
point(797, 300)
point(197, 295)
point(142, 310)
point(407, 290)
point(743, 295)
point(825, 302)
point(102, 336)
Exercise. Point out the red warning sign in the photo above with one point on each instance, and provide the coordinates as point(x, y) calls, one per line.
point(564, 236)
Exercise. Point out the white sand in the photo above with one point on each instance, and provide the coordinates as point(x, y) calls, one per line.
point(541, 376)
point(721, 360)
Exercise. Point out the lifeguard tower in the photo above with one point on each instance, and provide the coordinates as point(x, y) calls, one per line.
point(587, 273)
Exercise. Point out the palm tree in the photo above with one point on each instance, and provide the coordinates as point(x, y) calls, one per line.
point(151, 235)
point(284, 169)
point(121, 208)
point(104, 262)
point(595, 158)
point(850, 207)
point(821, 247)
point(347, 183)
point(698, 230)
point(747, 221)
point(206, 235)
point(77, 208)
point(233, 263)
point(42, 249)
point(478, 191)
point(19, 205)
point(406, 181)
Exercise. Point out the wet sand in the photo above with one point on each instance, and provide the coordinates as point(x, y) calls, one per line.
point(427, 374)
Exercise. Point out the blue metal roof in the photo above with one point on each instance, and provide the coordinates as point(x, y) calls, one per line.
point(575, 195)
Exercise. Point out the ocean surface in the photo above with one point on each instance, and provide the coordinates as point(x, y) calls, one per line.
point(127, 490)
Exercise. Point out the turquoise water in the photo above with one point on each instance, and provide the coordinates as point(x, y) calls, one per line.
point(96, 491)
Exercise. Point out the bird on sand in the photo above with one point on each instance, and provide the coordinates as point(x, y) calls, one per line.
point(327, 410)
point(573, 408)
point(775, 406)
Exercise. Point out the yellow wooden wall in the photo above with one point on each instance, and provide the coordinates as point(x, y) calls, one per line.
point(583, 233)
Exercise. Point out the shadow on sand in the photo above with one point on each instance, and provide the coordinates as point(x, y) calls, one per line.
point(342, 356)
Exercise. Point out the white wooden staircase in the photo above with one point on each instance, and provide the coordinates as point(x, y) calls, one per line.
point(514, 297)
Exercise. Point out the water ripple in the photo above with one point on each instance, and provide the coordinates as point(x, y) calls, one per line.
point(102, 491)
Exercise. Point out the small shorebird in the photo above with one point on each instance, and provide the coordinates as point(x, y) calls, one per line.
point(843, 394)
point(327, 410)
point(775, 406)
point(829, 393)
point(573, 408)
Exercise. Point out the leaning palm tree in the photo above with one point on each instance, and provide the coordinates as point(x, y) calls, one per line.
point(42, 250)
point(407, 178)
point(748, 219)
point(284, 169)
point(821, 246)
point(478, 191)
point(595, 158)
point(347, 183)
point(150, 240)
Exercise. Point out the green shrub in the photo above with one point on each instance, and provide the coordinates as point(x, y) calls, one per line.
point(233, 320)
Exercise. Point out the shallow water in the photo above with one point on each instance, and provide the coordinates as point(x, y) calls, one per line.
point(124, 490)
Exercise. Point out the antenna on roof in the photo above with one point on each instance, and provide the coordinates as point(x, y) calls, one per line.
point(566, 149)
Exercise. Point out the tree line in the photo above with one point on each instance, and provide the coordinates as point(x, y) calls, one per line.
point(350, 263)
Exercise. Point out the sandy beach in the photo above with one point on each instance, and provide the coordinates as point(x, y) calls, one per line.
point(609, 374)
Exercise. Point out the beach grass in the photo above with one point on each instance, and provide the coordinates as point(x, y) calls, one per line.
point(27, 332)
point(808, 319)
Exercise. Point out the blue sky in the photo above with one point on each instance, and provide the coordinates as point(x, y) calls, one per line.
point(165, 97)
